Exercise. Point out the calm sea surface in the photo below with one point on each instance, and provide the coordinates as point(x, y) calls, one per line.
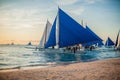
point(18, 56)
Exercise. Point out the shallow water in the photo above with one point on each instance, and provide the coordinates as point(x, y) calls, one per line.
point(18, 56)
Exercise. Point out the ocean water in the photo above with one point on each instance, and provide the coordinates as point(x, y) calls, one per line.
point(12, 56)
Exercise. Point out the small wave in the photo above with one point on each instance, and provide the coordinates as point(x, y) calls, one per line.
point(10, 68)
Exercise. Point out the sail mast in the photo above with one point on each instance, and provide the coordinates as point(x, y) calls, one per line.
point(82, 22)
point(57, 29)
point(117, 39)
point(86, 23)
point(107, 42)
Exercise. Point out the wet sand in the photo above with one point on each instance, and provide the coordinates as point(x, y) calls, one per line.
point(96, 70)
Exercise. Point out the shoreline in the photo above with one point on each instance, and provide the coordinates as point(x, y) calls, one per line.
point(95, 70)
point(48, 65)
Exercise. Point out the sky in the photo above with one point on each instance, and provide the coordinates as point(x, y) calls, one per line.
point(22, 21)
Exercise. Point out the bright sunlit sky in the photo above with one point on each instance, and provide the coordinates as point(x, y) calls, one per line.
point(22, 21)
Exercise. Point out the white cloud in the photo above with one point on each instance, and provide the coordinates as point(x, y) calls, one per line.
point(31, 21)
point(21, 18)
point(78, 11)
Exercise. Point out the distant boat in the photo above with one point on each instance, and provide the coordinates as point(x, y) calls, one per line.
point(12, 43)
point(109, 42)
point(66, 32)
point(29, 44)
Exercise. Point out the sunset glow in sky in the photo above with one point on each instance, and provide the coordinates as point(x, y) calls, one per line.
point(22, 21)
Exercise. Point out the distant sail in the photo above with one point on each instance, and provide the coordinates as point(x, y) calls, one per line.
point(52, 37)
point(117, 39)
point(45, 35)
point(109, 42)
point(70, 32)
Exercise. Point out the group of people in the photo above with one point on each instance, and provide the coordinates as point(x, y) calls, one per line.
point(73, 48)
point(78, 47)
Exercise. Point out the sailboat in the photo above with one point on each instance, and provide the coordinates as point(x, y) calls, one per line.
point(117, 43)
point(29, 45)
point(109, 43)
point(66, 32)
point(45, 35)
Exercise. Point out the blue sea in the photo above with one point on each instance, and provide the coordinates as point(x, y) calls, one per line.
point(13, 56)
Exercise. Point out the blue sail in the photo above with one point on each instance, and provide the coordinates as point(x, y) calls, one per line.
point(99, 42)
point(71, 32)
point(52, 37)
point(109, 42)
point(116, 43)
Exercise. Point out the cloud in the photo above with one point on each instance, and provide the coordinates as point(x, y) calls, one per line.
point(22, 18)
point(24, 21)
point(66, 2)
point(78, 11)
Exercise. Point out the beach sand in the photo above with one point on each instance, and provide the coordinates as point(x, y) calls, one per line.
point(96, 70)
